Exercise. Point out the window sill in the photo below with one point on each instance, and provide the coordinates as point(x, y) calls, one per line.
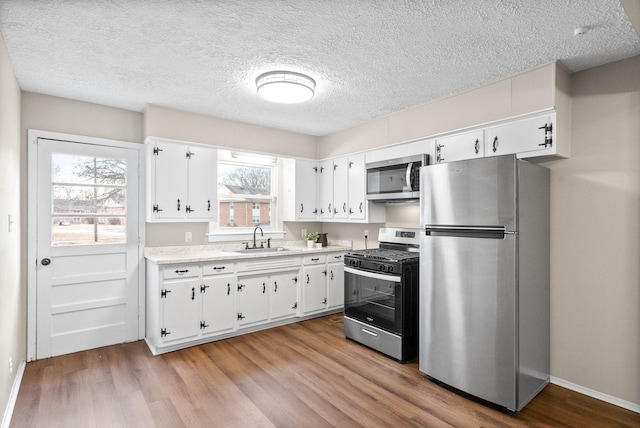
point(244, 236)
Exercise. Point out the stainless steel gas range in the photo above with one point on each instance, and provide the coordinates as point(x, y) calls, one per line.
point(381, 294)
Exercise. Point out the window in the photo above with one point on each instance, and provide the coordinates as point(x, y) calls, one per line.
point(91, 192)
point(246, 192)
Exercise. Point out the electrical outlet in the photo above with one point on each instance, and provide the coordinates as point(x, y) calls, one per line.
point(366, 233)
point(188, 237)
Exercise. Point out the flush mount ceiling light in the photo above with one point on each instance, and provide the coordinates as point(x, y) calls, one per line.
point(285, 87)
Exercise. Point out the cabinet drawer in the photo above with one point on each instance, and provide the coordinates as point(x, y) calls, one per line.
point(334, 258)
point(181, 271)
point(217, 268)
point(315, 259)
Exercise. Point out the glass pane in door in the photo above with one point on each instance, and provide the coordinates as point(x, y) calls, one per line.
point(89, 200)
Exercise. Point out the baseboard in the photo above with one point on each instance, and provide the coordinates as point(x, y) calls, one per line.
point(634, 407)
point(8, 412)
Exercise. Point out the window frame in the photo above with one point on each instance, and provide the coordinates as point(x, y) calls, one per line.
point(218, 233)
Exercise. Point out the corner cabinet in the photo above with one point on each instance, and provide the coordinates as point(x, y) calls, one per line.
point(181, 181)
point(194, 303)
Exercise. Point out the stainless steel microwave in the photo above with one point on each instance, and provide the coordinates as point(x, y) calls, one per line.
point(395, 179)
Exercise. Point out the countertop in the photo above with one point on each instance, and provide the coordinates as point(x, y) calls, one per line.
point(217, 252)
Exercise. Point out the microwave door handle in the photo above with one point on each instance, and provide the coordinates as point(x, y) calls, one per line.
point(409, 186)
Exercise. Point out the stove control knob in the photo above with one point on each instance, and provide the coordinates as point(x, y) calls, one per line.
point(390, 269)
point(382, 268)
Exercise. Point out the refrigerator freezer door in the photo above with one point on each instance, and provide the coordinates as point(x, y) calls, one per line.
point(477, 192)
point(468, 314)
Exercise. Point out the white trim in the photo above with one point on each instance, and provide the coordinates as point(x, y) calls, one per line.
point(32, 204)
point(13, 396)
point(596, 394)
point(243, 236)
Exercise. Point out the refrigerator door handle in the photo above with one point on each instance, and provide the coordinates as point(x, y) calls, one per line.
point(467, 232)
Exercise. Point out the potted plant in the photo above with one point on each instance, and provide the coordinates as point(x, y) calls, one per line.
point(311, 237)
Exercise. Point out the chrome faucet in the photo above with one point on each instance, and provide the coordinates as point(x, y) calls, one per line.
point(254, 235)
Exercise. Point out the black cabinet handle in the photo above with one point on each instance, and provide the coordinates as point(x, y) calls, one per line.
point(307, 278)
point(477, 146)
point(228, 289)
point(295, 306)
point(46, 262)
point(178, 204)
point(264, 287)
point(331, 275)
point(275, 283)
point(301, 208)
point(193, 293)
point(208, 205)
point(182, 272)
point(495, 144)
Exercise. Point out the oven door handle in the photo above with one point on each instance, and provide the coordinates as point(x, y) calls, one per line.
point(381, 276)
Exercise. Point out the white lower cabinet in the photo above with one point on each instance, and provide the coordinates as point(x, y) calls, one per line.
point(335, 281)
point(284, 294)
point(322, 282)
point(253, 300)
point(218, 296)
point(314, 283)
point(193, 303)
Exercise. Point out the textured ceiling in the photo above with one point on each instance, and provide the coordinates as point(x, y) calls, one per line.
point(369, 58)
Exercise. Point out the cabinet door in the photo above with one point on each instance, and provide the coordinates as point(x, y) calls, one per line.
point(284, 294)
point(180, 309)
point(335, 289)
point(519, 137)
point(253, 300)
point(306, 193)
point(202, 177)
point(326, 190)
point(467, 145)
point(169, 180)
point(357, 187)
point(341, 188)
point(314, 288)
point(218, 312)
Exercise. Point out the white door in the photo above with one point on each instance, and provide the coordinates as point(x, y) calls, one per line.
point(87, 273)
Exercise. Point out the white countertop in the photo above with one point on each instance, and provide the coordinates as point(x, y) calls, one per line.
point(216, 252)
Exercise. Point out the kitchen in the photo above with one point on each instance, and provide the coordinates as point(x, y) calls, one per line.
point(594, 278)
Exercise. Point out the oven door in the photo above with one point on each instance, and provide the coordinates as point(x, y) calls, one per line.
point(374, 298)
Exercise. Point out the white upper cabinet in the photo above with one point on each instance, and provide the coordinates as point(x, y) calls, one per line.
point(357, 205)
point(201, 186)
point(181, 182)
point(300, 190)
point(341, 188)
point(535, 134)
point(326, 190)
point(467, 145)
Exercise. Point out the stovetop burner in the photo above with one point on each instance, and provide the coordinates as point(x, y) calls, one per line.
point(385, 254)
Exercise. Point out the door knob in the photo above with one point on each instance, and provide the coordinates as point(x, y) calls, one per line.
point(46, 262)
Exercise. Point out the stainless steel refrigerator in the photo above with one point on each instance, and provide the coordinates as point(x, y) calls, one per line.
point(484, 278)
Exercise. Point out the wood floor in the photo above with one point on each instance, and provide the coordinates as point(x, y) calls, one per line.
point(300, 375)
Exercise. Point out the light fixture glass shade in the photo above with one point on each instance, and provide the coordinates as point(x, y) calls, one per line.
point(285, 87)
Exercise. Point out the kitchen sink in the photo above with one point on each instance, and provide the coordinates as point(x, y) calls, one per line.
point(259, 250)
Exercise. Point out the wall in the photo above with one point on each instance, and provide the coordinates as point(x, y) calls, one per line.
point(13, 309)
point(526, 92)
point(595, 216)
